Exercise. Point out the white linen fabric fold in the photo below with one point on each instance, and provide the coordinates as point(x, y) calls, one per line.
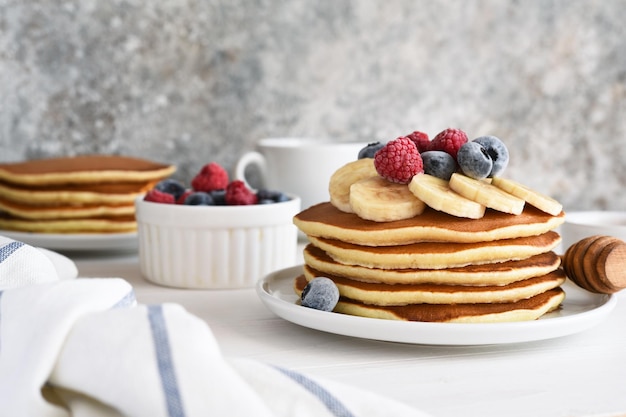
point(22, 264)
point(34, 323)
point(84, 347)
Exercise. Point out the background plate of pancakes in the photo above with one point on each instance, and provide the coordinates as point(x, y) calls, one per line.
point(579, 311)
point(82, 202)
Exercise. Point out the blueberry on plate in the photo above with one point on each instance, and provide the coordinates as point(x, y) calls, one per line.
point(171, 186)
point(199, 198)
point(474, 160)
point(370, 150)
point(498, 152)
point(320, 293)
point(439, 164)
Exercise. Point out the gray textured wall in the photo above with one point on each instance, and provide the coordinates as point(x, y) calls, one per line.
point(193, 81)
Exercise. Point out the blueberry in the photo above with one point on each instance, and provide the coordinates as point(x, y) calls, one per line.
point(370, 150)
point(321, 294)
point(281, 198)
point(199, 198)
point(171, 186)
point(219, 197)
point(474, 160)
point(439, 164)
point(271, 196)
point(497, 151)
point(264, 194)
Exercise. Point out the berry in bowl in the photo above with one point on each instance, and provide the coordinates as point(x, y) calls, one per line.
point(215, 233)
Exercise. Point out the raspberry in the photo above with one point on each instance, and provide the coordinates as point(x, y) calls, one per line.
point(237, 194)
point(450, 140)
point(421, 140)
point(399, 161)
point(211, 177)
point(157, 196)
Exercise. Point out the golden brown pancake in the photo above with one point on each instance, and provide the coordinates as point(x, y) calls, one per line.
point(487, 274)
point(65, 212)
point(522, 310)
point(437, 255)
point(80, 194)
point(324, 220)
point(122, 224)
point(75, 194)
point(403, 294)
point(83, 169)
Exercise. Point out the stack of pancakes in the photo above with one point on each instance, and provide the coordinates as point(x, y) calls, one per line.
point(81, 194)
point(435, 267)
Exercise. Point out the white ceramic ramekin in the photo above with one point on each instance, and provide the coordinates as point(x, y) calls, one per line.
point(206, 247)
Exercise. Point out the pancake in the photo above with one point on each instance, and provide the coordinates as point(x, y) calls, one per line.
point(437, 255)
point(65, 212)
point(121, 224)
point(104, 193)
point(487, 274)
point(83, 169)
point(324, 220)
point(402, 294)
point(522, 310)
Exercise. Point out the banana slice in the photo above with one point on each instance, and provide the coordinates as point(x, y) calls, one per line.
point(379, 200)
point(486, 194)
point(344, 177)
point(532, 197)
point(437, 194)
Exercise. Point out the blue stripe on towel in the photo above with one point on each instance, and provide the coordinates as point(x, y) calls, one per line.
point(330, 401)
point(127, 301)
point(8, 250)
point(164, 361)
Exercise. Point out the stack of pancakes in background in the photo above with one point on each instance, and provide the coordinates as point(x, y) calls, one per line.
point(436, 267)
point(81, 194)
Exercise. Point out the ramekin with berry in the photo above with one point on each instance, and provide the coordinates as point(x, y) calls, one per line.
point(214, 233)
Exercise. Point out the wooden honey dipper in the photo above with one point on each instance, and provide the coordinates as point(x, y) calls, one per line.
point(597, 264)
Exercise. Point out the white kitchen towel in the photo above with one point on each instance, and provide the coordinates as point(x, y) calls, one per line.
point(84, 347)
point(22, 264)
point(160, 360)
point(290, 393)
point(34, 323)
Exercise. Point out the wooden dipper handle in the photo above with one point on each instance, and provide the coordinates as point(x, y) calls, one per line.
point(611, 266)
point(597, 263)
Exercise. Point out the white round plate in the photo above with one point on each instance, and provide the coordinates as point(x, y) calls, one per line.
point(580, 311)
point(77, 242)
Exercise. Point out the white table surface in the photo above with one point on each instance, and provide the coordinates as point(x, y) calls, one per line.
point(578, 375)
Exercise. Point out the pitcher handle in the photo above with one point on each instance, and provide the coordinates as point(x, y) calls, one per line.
point(247, 159)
